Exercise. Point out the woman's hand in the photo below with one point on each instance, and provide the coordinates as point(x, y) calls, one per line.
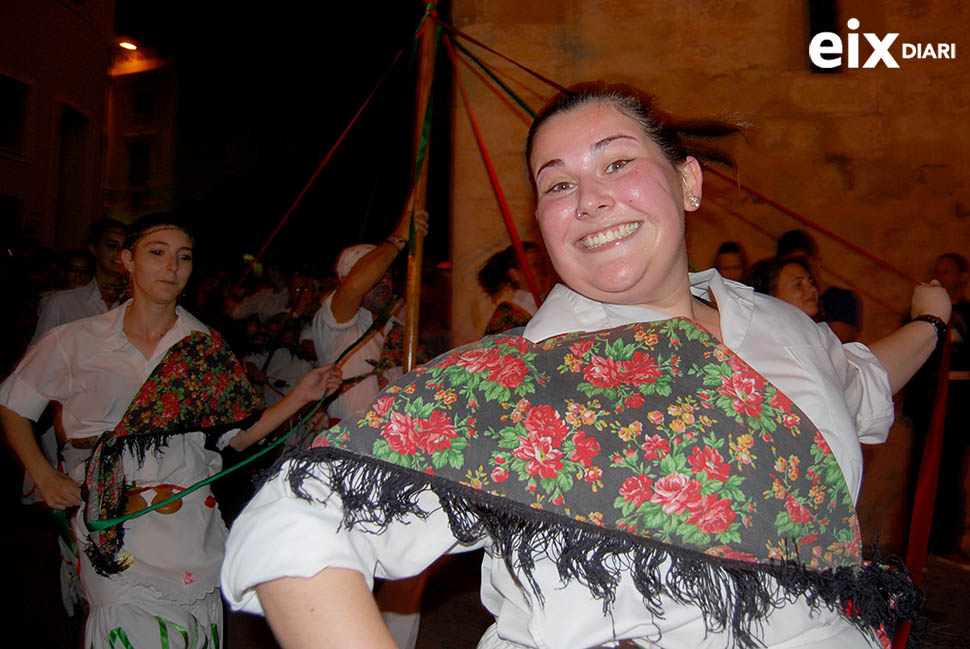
point(931, 299)
point(317, 383)
point(403, 228)
point(58, 490)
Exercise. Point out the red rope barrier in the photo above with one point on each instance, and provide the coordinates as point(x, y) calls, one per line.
point(493, 177)
point(815, 226)
point(926, 485)
point(316, 173)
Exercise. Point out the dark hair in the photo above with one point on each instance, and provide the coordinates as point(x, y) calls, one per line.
point(961, 262)
point(495, 272)
point(100, 227)
point(149, 222)
point(796, 242)
point(763, 275)
point(676, 137)
point(733, 248)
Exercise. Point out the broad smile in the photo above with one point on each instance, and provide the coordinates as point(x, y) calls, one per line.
point(603, 237)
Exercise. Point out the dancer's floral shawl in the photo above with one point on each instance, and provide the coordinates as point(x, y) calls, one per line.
point(199, 385)
point(614, 451)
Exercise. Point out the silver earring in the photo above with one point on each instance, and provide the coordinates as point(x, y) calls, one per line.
point(694, 201)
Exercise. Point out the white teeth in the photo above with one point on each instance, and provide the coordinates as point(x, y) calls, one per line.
point(602, 238)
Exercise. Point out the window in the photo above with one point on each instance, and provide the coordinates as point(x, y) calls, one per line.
point(13, 114)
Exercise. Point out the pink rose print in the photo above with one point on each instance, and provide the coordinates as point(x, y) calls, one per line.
point(479, 360)
point(544, 421)
point(399, 433)
point(821, 444)
point(579, 349)
point(781, 402)
point(655, 446)
point(797, 512)
point(712, 515)
point(633, 401)
point(541, 454)
point(708, 459)
point(499, 474)
point(636, 490)
point(586, 449)
point(188, 578)
point(510, 373)
point(435, 433)
point(744, 391)
point(383, 405)
point(676, 492)
point(641, 369)
point(603, 372)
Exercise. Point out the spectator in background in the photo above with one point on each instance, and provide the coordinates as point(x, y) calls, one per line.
point(952, 271)
point(97, 296)
point(731, 261)
point(789, 280)
point(76, 268)
point(841, 307)
point(503, 280)
point(276, 359)
point(269, 299)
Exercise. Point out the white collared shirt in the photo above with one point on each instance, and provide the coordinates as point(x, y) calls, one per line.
point(60, 307)
point(280, 535)
point(90, 368)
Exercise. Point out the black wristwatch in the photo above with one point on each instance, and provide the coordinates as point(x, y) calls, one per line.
point(938, 323)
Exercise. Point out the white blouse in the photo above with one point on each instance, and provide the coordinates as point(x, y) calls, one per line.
point(280, 535)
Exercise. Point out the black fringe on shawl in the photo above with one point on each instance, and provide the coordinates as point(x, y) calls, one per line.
point(108, 563)
point(733, 596)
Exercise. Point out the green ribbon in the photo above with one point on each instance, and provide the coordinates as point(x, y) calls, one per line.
point(97, 526)
point(163, 625)
point(118, 634)
point(521, 102)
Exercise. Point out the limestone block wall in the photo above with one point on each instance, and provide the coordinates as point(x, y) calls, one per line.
point(877, 156)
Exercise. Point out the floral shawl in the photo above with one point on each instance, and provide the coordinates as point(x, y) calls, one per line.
point(613, 452)
point(198, 386)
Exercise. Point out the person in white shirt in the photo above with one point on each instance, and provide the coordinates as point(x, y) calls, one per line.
point(614, 179)
point(93, 368)
point(364, 292)
point(105, 242)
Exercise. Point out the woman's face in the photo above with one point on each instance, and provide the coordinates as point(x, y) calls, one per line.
point(611, 206)
point(797, 287)
point(730, 265)
point(160, 264)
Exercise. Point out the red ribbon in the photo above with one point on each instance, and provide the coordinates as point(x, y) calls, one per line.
point(493, 177)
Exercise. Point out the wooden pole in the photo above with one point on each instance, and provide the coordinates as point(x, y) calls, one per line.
point(415, 260)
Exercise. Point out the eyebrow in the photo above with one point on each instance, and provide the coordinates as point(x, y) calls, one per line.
point(597, 146)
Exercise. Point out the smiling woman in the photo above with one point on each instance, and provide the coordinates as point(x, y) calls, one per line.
point(662, 459)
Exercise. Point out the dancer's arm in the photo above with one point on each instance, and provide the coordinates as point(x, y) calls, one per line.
point(333, 609)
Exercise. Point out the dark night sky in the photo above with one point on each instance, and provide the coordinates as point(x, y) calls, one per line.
point(263, 95)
